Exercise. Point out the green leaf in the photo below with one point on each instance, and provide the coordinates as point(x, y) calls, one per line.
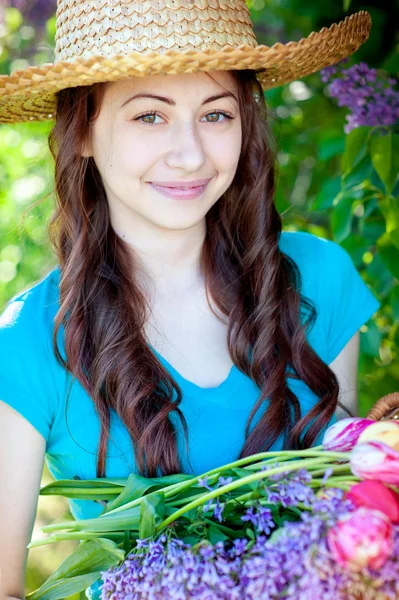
point(342, 217)
point(249, 533)
point(361, 172)
point(331, 146)
point(190, 539)
point(215, 535)
point(355, 148)
point(85, 489)
point(288, 516)
point(137, 486)
point(239, 472)
point(346, 5)
point(120, 521)
point(64, 588)
point(80, 569)
point(152, 513)
point(385, 158)
point(229, 507)
point(390, 209)
point(330, 188)
point(394, 236)
point(389, 254)
point(394, 302)
point(370, 340)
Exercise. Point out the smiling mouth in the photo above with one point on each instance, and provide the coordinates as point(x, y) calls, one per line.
point(188, 193)
point(181, 186)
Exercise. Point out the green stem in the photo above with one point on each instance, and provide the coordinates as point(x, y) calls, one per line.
point(336, 469)
point(60, 491)
point(170, 491)
point(75, 535)
point(308, 453)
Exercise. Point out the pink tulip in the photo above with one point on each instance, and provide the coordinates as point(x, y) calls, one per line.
point(375, 495)
point(343, 435)
point(363, 538)
point(375, 460)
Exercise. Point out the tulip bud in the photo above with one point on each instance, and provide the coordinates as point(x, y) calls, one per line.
point(375, 460)
point(362, 538)
point(382, 431)
point(343, 435)
point(375, 495)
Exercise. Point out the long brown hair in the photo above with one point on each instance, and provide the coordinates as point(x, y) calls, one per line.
point(252, 282)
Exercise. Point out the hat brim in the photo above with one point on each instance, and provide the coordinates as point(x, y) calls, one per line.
point(30, 94)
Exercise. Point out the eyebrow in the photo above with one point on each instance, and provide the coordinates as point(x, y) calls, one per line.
point(173, 103)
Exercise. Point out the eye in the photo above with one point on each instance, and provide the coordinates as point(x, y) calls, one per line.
point(217, 113)
point(214, 113)
point(149, 114)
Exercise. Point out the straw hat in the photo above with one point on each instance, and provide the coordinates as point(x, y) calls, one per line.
point(109, 40)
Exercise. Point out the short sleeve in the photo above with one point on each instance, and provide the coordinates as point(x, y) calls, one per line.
point(348, 302)
point(26, 378)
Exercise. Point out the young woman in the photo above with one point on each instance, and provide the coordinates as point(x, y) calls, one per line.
point(180, 328)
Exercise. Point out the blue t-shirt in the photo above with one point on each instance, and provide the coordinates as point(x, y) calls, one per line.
point(35, 385)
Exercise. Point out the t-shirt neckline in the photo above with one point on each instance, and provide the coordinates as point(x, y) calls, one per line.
point(189, 383)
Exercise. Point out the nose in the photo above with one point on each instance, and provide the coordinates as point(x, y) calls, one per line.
point(187, 150)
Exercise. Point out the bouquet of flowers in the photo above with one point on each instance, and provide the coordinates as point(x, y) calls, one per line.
point(305, 525)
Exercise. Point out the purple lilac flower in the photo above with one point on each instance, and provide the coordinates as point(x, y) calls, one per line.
point(298, 566)
point(328, 472)
point(297, 562)
point(225, 481)
point(218, 510)
point(261, 517)
point(368, 94)
point(204, 483)
point(330, 72)
point(289, 488)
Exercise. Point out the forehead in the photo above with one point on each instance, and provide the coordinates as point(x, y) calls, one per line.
point(178, 86)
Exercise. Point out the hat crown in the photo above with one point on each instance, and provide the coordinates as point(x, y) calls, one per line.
point(86, 28)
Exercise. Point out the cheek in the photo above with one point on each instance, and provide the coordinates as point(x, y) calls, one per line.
point(133, 156)
point(230, 156)
point(225, 149)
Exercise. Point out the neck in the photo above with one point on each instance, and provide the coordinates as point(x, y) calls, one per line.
point(168, 261)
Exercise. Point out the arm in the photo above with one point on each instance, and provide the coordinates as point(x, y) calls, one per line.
point(22, 450)
point(345, 367)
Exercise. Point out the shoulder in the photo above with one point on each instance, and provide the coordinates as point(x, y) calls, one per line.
point(315, 256)
point(28, 381)
point(30, 312)
point(305, 244)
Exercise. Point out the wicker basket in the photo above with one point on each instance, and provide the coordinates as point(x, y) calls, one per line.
point(386, 407)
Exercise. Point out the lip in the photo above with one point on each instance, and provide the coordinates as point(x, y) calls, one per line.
point(179, 193)
point(180, 183)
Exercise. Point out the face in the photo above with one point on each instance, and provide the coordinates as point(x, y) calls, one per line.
point(188, 138)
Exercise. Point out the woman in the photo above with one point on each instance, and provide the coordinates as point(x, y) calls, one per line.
point(177, 307)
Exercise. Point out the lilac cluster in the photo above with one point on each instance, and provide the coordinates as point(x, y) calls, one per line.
point(368, 94)
point(288, 488)
point(297, 561)
point(218, 510)
point(261, 517)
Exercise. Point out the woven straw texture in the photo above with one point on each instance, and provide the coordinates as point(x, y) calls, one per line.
point(110, 40)
point(386, 407)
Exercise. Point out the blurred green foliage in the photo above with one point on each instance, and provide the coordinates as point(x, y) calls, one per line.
point(330, 184)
